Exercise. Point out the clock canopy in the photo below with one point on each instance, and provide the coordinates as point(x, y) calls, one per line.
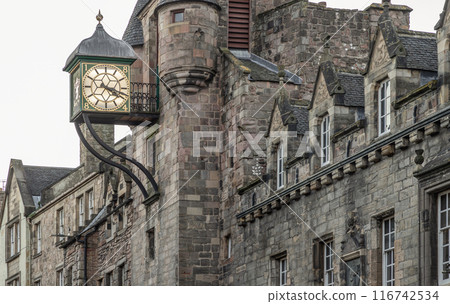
point(101, 46)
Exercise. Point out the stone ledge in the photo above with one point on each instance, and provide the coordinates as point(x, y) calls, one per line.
point(431, 86)
point(349, 130)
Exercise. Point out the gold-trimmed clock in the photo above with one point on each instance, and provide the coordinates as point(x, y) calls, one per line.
point(106, 87)
point(100, 78)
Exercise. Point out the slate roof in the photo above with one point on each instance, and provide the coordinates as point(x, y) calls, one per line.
point(421, 52)
point(261, 69)
point(353, 85)
point(302, 115)
point(134, 34)
point(39, 178)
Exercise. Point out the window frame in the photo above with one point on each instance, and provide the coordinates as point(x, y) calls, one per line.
point(91, 203)
point(297, 175)
point(12, 239)
point(60, 224)
point(60, 277)
point(38, 230)
point(151, 243)
point(328, 256)
point(325, 141)
point(280, 166)
point(81, 211)
point(441, 231)
point(174, 13)
point(385, 87)
point(283, 271)
point(388, 251)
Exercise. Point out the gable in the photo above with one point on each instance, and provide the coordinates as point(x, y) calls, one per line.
point(321, 93)
point(380, 55)
point(277, 122)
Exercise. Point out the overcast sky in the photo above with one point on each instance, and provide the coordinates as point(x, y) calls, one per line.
point(37, 38)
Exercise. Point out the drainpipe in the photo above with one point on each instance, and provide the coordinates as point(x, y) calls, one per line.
point(85, 243)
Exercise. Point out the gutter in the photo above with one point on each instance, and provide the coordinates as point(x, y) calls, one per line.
point(386, 141)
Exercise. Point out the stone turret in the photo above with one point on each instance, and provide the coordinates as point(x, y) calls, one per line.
point(187, 43)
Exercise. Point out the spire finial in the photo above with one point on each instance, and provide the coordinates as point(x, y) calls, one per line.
point(386, 4)
point(99, 17)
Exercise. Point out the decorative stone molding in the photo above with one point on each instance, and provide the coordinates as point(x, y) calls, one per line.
point(305, 190)
point(349, 168)
point(375, 156)
point(188, 80)
point(362, 163)
point(432, 129)
point(326, 180)
point(388, 150)
point(338, 174)
point(316, 185)
point(402, 143)
point(417, 136)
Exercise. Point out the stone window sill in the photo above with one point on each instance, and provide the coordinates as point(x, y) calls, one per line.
point(37, 255)
point(12, 257)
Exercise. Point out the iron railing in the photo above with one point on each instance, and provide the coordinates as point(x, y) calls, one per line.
point(145, 96)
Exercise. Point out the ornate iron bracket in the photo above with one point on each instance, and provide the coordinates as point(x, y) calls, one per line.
point(118, 154)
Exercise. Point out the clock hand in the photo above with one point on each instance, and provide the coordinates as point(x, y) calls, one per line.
point(113, 91)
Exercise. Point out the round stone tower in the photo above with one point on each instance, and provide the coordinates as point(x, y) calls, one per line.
point(187, 43)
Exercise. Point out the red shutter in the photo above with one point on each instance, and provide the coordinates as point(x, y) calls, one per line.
point(238, 24)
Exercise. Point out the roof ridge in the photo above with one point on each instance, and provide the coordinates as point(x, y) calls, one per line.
point(418, 34)
point(47, 167)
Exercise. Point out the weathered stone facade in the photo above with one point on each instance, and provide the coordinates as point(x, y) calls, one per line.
point(229, 209)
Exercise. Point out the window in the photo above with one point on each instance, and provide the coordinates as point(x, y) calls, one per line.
point(38, 235)
point(69, 276)
point(151, 154)
point(325, 140)
point(121, 275)
point(253, 199)
point(14, 282)
point(81, 211)
point(297, 175)
point(283, 271)
point(91, 204)
point(13, 240)
point(120, 215)
point(328, 264)
point(177, 16)
point(59, 278)
point(60, 224)
point(239, 24)
point(280, 166)
point(151, 243)
point(108, 277)
point(384, 108)
point(388, 252)
point(228, 246)
point(37, 283)
point(444, 238)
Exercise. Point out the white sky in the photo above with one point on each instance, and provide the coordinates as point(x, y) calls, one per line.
point(38, 36)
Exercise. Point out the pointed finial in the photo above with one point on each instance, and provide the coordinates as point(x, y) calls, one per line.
point(99, 17)
point(386, 5)
point(326, 50)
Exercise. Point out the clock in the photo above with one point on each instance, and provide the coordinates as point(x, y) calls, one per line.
point(106, 87)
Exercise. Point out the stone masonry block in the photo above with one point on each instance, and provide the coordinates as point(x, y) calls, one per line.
point(402, 143)
point(305, 190)
point(432, 129)
point(349, 168)
point(326, 180)
point(417, 136)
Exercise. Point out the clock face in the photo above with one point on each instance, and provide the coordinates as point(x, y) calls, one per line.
point(106, 87)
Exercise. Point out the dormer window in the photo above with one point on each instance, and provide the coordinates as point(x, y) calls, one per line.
point(325, 140)
point(384, 108)
point(280, 166)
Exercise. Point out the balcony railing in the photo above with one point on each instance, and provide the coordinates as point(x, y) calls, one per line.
point(144, 98)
